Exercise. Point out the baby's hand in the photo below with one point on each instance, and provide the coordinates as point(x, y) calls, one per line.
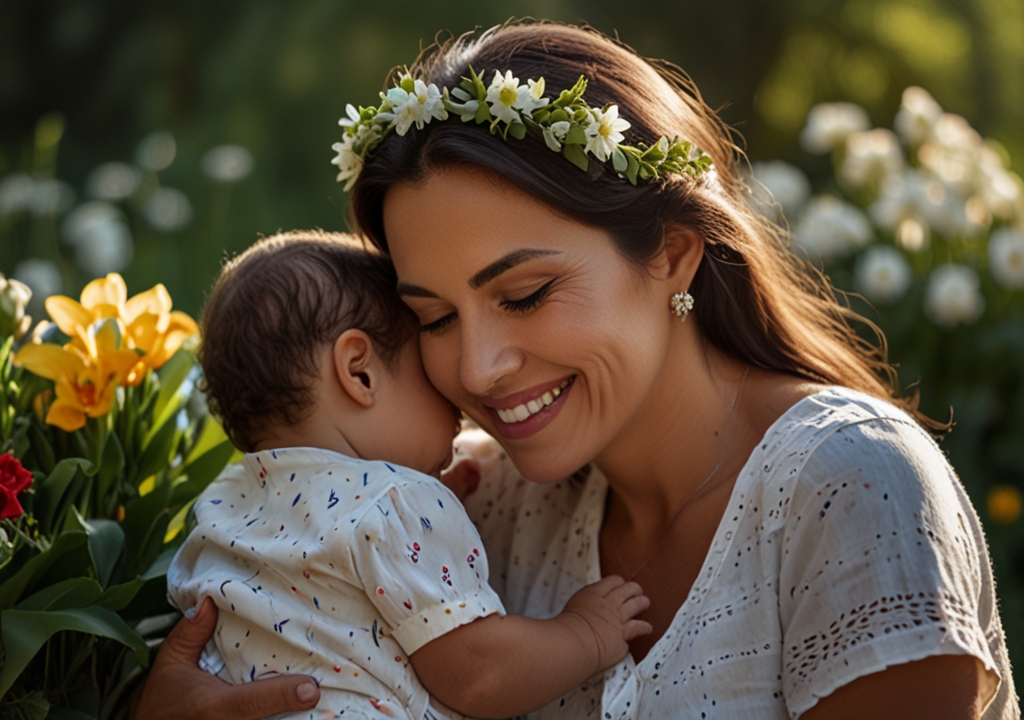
point(609, 607)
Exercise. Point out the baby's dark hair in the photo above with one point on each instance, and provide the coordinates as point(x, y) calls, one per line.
point(272, 311)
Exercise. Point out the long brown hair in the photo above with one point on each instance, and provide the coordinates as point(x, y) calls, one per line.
point(756, 300)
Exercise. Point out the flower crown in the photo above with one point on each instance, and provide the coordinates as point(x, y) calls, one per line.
point(567, 125)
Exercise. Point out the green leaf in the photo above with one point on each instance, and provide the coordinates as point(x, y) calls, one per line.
point(483, 113)
point(111, 467)
point(575, 136)
point(632, 168)
point(49, 494)
point(33, 706)
point(117, 597)
point(60, 713)
point(575, 155)
point(156, 453)
point(66, 595)
point(517, 130)
point(619, 160)
point(201, 472)
point(172, 375)
point(30, 573)
point(145, 518)
point(25, 632)
point(106, 543)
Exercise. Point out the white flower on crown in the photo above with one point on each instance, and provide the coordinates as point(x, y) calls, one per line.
point(467, 111)
point(507, 98)
point(604, 132)
point(555, 134)
point(883, 275)
point(348, 160)
point(420, 105)
point(953, 296)
point(1006, 258)
point(353, 117)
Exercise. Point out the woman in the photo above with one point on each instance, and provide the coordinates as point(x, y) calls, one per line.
point(807, 550)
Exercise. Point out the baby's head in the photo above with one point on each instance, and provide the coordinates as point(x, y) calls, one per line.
point(306, 343)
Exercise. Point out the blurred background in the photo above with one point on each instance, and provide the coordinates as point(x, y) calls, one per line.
point(152, 139)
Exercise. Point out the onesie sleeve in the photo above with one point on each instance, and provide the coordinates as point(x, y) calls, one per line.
point(883, 563)
point(421, 563)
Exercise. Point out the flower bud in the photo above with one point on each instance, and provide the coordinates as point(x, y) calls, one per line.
point(14, 296)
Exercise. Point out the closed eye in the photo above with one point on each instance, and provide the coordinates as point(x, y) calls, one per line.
point(530, 301)
point(440, 324)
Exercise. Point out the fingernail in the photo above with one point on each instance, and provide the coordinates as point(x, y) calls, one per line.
point(191, 614)
point(306, 692)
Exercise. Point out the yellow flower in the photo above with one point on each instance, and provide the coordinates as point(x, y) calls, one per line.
point(1004, 504)
point(146, 321)
point(86, 378)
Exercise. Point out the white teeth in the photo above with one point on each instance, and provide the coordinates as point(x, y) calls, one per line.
point(522, 412)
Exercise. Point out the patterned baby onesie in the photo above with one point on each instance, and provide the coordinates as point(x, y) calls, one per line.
point(333, 567)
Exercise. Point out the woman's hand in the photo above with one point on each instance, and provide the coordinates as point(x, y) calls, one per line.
point(178, 688)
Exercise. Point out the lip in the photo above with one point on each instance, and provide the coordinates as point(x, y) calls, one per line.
point(535, 423)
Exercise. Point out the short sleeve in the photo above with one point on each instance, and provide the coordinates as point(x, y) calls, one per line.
point(422, 564)
point(883, 562)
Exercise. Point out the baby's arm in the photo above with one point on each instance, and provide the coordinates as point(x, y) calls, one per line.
point(498, 667)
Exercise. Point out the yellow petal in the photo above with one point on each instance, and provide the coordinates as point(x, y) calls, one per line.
point(181, 321)
point(110, 290)
point(49, 361)
point(107, 337)
point(136, 374)
point(65, 416)
point(71, 317)
point(105, 400)
point(156, 300)
point(144, 331)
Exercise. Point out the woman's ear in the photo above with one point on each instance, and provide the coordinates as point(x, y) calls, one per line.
point(357, 366)
point(680, 256)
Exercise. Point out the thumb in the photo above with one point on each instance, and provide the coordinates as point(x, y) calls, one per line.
point(263, 698)
point(463, 477)
point(184, 644)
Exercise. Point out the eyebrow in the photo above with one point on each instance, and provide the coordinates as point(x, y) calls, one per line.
point(506, 263)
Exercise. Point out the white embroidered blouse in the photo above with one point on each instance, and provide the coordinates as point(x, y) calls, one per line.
point(333, 567)
point(848, 546)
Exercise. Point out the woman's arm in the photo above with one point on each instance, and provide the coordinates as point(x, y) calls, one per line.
point(498, 667)
point(177, 688)
point(952, 687)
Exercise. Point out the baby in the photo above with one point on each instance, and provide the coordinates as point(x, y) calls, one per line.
point(333, 550)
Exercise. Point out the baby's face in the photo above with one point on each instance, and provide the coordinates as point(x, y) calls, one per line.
point(423, 424)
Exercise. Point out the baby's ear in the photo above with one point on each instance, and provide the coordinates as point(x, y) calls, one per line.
point(357, 366)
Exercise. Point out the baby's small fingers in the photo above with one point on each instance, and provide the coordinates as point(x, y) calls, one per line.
point(624, 592)
point(636, 628)
point(607, 585)
point(634, 606)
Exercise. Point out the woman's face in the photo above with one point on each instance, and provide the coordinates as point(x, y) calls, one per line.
point(531, 323)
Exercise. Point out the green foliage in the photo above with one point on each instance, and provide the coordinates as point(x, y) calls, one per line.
point(86, 561)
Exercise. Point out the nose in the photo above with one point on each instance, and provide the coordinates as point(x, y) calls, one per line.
point(489, 354)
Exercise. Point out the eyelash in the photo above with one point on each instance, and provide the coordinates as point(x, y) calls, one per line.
point(522, 305)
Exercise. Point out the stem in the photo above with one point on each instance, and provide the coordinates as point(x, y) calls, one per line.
point(22, 535)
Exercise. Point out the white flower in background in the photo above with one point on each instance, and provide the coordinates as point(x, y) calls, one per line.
point(16, 193)
point(998, 188)
point(952, 151)
point(1006, 258)
point(102, 240)
point(910, 204)
point(604, 132)
point(785, 184)
point(43, 279)
point(917, 116)
point(882, 275)
point(871, 156)
point(953, 296)
point(555, 134)
point(419, 104)
point(168, 209)
point(156, 151)
point(50, 197)
point(832, 229)
point(829, 124)
point(112, 181)
point(227, 163)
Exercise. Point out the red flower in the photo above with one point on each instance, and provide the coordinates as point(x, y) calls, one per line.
point(14, 479)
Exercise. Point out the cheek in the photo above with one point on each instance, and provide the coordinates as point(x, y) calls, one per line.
point(441, 364)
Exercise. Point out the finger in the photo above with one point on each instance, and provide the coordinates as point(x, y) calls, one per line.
point(463, 477)
point(624, 592)
point(634, 606)
point(636, 628)
point(185, 642)
point(607, 584)
point(263, 698)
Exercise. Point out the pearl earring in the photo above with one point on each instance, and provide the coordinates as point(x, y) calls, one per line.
point(682, 304)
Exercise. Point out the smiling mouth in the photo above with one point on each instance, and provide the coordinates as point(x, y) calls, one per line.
point(528, 409)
